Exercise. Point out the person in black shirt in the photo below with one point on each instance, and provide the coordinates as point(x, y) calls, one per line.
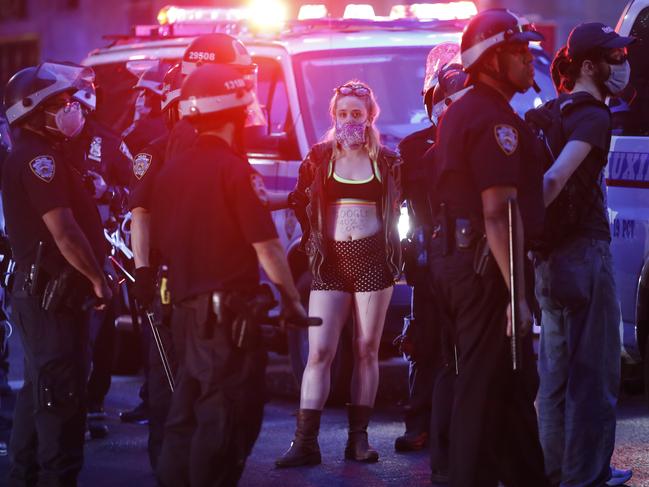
point(56, 238)
point(212, 225)
point(493, 432)
point(579, 355)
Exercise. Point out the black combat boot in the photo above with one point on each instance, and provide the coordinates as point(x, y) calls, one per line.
point(358, 447)
point(304, 449)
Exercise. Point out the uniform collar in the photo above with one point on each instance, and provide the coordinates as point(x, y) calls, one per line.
point(493, 94)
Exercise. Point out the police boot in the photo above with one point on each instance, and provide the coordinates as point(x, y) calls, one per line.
point(304, 449)
point(358, 447)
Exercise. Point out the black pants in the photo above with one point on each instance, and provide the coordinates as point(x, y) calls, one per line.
point(159, 393)
point(494, 432)
point(431, 376)
point(46, 443)
point(217, 407)
point(102, 331)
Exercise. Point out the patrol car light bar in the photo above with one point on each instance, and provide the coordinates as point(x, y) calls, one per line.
point(437, 11)
point(171, 14)
point(314, 11)
point(359, 11)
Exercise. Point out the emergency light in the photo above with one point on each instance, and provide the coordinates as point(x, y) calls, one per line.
point(435, 11)
point(359, 11)
point(312, 11)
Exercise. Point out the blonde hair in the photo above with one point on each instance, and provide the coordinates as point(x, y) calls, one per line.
point(373, 139)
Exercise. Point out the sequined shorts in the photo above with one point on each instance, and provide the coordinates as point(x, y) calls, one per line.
point(354, 266)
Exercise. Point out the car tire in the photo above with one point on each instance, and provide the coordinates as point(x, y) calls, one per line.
point(298, 347)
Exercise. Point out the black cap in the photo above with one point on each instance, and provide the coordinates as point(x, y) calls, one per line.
point(592, 35)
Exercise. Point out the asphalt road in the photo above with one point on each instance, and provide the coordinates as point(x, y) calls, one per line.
point(121, 460)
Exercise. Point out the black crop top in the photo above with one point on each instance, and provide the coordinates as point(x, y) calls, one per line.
point(351, 190)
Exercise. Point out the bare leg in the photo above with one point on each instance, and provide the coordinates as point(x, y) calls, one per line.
point(370, 309)
point(333, 307)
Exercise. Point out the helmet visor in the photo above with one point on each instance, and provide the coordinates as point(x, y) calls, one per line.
point(255, 114)
point(52, 79)
point(438, 57)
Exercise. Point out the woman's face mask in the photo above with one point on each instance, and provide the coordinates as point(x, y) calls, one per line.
point(69, 120)
point(619, 77)
point(351, 135)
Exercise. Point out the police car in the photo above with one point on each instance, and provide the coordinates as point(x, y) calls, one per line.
point(627, 178)
point(300, 63)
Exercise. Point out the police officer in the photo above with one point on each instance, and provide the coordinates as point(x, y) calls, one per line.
point(58, 245)
point(148, 121)
point(418, 327)
point(98, 155)
point(213, 233)
point(493, 432)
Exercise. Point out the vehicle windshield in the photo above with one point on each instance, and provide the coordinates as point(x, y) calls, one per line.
point(396, 75)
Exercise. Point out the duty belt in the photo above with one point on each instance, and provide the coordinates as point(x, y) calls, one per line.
point(455, 232)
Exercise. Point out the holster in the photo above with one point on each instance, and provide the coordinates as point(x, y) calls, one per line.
point(69, 290)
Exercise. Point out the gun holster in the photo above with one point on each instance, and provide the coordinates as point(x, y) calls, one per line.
point(69, 290)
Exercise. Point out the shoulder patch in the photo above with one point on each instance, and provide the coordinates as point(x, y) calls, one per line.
point(141, 164)
point(43, 167)
point(507, 138)
point(258, 186)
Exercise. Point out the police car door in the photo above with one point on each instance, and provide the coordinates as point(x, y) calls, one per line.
point(627, 178)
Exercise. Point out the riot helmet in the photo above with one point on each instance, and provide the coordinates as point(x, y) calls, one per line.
point(171, 86)
point(214, 88)
point(439, 56)
point(220, 49)
point(30, 88)
point(451, 87)
point(152, 79)
point(217, 48)
point(487, 31)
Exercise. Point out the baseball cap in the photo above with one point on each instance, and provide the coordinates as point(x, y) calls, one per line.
point(592, 35)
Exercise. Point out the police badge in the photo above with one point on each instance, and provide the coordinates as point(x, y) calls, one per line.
point(141, 164)
point(43, 167)
point(507, 138)
point(95, 149)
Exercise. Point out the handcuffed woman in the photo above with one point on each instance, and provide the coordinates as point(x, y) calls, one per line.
point(347, 201)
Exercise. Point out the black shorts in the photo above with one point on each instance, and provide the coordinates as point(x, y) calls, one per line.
point(354, 266)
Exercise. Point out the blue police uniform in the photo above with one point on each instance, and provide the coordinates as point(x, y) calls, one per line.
point(482, 143)
point(207, 212)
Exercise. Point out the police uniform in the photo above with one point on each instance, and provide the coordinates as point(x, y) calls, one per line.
point(147, 164)
point(209, 208)
point(100, 150)
point(420, 373)
point(494, 434)
point(49, 420)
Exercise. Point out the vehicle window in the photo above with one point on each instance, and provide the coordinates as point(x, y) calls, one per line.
point(399, 97)
point(273, 98)
point(631, 116)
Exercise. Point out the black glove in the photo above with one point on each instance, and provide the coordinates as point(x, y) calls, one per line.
point(144, 288)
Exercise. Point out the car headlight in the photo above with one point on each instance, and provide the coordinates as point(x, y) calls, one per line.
point(404, 222)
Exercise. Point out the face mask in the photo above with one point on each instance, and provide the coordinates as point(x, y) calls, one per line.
point(351, 135)
point(69, 120)
point(619, 77)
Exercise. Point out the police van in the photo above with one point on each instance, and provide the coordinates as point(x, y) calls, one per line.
point(300, 63)
point(627, 178)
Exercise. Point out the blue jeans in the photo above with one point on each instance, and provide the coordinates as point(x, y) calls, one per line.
point(579, 362)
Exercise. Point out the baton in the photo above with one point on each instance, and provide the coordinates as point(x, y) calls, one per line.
point(513, 280)
point(154, 330)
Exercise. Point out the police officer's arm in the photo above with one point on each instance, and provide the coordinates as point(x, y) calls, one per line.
point(273, 260)
point(496, 221)
point(140, 231)
point(75, 248)
point(277, 200)
point(572, 155)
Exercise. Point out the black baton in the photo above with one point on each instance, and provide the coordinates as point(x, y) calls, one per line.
point(513, 278)
point(154, 330)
